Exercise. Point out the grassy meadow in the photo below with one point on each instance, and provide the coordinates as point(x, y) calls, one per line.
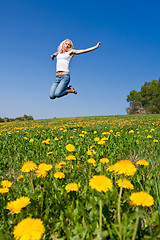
point(76, 178)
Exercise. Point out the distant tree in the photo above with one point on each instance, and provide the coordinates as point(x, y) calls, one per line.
point(24, 118)
point(1, 119)
point(148, 98)
point(28, 117)
point(136, 108)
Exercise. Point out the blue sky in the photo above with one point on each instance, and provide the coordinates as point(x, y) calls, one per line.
point(31, 31)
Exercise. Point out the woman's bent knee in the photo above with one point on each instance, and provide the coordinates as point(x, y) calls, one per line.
point(57, 94)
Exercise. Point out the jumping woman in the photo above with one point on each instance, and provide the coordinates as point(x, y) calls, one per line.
point(64, 55)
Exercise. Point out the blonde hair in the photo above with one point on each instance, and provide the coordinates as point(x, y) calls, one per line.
point(60, 47)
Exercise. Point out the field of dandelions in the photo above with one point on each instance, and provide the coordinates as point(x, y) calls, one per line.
point(80, 178)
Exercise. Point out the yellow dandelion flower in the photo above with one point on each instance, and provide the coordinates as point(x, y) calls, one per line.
point(100, 142)
point(56, 139)
point(91, 160)
point(70, 148)
point(18, 204)
point(25, 138)
point(28, 166)
point(46, 141)
point(131, 131)
point(31, 140)
point(104, 139)
point(141, 199)
point(95, 132)
point(92, 146)
point(96, 139)
point(29, 229)
point(125, 167)
point(58, 166)
point(59, 175)
point(104, 160)
point(62, 163)
point(43, 169)
point(49, 153)
point(110, 168)
point(41, 172)
point(6, 184)
point(100, 183)
point(149, 136)
point(143, 162)
point(46, 167)
point(155, 140)
point(71, 187)
point(4, 190)
point(20, 177)
point(106, 133)
point(70, 157)
point(126, 183)
point(91, 152)
point(81, 135)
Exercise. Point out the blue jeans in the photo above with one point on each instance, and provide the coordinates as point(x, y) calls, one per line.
point(58, 88)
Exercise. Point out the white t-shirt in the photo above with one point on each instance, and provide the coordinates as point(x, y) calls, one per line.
point(63, 62)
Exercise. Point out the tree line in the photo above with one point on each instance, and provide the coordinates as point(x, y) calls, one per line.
point(24, 118)
point(147, 100)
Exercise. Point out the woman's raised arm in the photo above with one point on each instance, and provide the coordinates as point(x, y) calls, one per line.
point(76, 52)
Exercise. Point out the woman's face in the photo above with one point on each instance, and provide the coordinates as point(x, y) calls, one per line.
point(66, 46)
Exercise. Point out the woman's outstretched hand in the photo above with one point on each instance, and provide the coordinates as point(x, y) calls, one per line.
point(98, 44)
point(54, 55)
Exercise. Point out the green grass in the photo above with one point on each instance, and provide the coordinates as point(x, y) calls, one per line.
point(75, 215)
